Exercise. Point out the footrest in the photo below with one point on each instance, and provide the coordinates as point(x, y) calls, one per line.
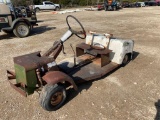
point(95, 50)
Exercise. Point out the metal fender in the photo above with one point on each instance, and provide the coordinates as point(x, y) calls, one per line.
point(20, 20)
point(54, 77)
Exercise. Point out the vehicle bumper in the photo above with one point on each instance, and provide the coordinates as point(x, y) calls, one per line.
point(19, 87)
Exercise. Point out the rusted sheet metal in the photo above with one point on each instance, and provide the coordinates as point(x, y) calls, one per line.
point(51, 50)
point(10, 75)
point(54, 77)
point(17, 87)
point(102, 60)
point(88, 72)
point(108, 68)
point(32, 61)
point(84, 59)
point(104, 53)
point(79, 51)
point(92, 71)
point(89, 48)
point(56, 52)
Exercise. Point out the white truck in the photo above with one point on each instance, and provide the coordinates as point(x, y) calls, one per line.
point(47, 5)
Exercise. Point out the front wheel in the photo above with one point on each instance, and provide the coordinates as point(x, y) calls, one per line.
point(57, 9)
point(21, 30)
point(52, 97)
point(114, 8)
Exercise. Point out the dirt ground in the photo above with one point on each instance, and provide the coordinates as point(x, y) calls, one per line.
point(131, 92)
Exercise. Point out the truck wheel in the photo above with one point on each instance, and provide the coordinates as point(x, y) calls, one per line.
point(125, 60)
point(38, 9)
point(105, 8)
point(57, 9)
point(114, 8)
point(52, 97)
point(21, 30)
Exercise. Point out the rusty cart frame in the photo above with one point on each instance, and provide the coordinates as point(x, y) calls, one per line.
point(36, 72)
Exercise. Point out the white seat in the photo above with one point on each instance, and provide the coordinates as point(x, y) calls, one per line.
point(99, 40)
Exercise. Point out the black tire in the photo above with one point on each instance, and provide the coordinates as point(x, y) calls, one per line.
point(57, 9)
point(52, 97)
point(38, 9)
point(105, 8)
point(125, 60)
point(21, 29)
point(114, 8)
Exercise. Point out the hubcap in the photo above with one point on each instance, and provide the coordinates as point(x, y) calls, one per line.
point(56, 98)
point(22, 30)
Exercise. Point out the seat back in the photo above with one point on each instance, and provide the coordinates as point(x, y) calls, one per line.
point(99, 40)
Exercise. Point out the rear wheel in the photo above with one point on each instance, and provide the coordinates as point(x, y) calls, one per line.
point(125, 60)
point(21, 30)
point(114, 8)
point(52, 97)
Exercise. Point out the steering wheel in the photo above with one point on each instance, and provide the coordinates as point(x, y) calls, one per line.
point(75, 27)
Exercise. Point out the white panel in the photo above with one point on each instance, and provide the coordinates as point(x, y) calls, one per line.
point(119, 49)
point(100, 39)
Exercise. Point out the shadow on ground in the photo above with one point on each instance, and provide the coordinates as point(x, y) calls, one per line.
point(41, 29)
point(135, 55)
point(157, 105)
point(34, 31)
point(71, 93)
point(7, 36)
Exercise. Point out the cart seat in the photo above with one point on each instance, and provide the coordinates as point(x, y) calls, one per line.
point(95, 44)
point(98, 40)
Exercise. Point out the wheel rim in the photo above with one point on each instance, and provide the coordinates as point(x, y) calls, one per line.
point(22, 30)
point(56, 98)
